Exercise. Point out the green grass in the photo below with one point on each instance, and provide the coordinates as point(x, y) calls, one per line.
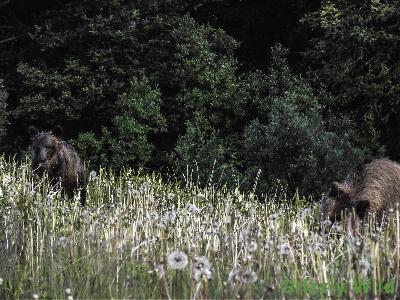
point(117, 246)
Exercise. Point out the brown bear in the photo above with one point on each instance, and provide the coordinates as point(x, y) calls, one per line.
point(53, 155)
point(374, 187)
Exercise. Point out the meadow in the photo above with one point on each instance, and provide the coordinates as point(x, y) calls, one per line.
point(143, 237)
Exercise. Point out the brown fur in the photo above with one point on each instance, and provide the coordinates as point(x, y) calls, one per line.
point(372, 189)
point(59, 160)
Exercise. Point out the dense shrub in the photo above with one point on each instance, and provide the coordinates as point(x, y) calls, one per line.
point(355, 54)
point(127, 141)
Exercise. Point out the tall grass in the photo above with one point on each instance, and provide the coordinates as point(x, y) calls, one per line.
point(121, 244)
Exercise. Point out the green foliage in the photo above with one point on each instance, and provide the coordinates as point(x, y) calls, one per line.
point(293, 138)
point(356, 56)
point(3, 109)
point(87, 53)
point(138, 117)
point(205, 152)
point(210, 100)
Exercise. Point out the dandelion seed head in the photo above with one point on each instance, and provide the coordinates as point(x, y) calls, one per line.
point(77, 196)
point(177, 260)
point(170, 196)
point(364, 266)
point(202, 268)
point(192, 209)
point(252, 246)
point(274, 217)
point(93, 175)
point(336, 227)
point(269, 245)
point(233, 275)
point(68, 291)
point(35, 296)
point(154, 216)
point(63, 241)
point(284, 249)
point(1, 281)
point(170, 216)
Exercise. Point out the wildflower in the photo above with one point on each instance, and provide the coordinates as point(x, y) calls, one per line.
point(284, 249)
point(68, 291)
point(202, 268)
point(193, 209)
point(252, 246)
point(35, 296)
point(63, 241)
point(177, 260)
point(364, 266)
point(70, 297)
point(1, 281)
point(249, 277)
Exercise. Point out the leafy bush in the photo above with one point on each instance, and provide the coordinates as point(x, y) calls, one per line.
point(355, 55)
point(128, 141)
point(292, 143)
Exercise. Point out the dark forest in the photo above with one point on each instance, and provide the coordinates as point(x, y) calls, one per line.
point(288, 92)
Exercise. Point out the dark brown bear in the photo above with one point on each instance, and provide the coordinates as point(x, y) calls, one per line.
point(373, 188)
point(59, 159)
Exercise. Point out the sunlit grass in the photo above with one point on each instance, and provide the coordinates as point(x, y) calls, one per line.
point(140, 237)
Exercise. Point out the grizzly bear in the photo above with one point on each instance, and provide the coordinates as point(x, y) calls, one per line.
point(59, 160)
point(372, 188)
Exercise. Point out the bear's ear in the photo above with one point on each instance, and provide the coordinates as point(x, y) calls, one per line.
point(58, 131)
point(33, 131)
point(336, 189)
